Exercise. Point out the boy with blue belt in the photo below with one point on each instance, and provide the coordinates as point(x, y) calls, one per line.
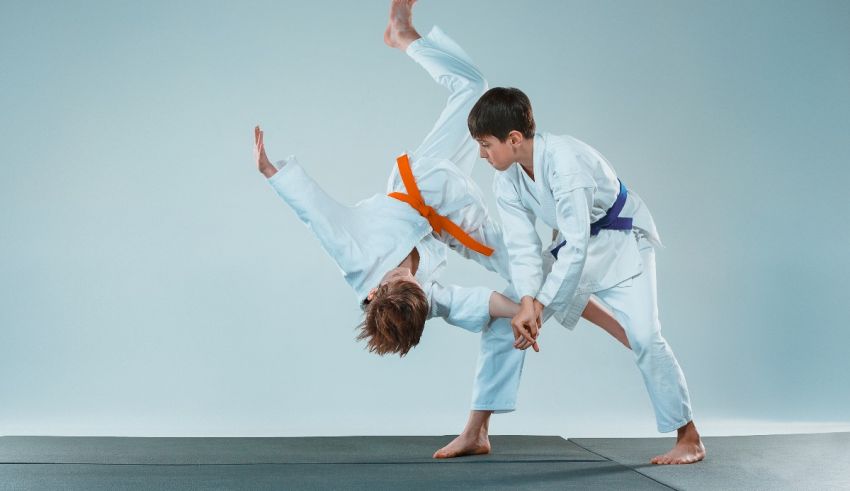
point(605, 247)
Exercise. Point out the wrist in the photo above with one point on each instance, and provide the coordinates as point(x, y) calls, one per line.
point(268, 171)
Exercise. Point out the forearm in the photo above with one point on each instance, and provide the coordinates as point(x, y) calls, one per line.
point(502, 306)
point(267, 169)
point(573, 216)
point(521, 240)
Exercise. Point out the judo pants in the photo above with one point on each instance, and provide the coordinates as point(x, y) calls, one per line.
point(635, 306)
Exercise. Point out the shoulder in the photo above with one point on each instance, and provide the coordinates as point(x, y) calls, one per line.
point(561, 151)
point(566, 164)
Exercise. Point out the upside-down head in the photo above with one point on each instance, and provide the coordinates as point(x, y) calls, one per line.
point(395, 316)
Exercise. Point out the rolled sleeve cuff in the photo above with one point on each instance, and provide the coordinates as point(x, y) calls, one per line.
point(477, 314)
point(545, 298)
point(284, 168)
point(526, 290)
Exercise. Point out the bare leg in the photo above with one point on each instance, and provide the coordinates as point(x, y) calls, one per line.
point(473, 440)
point(597, 314)
point(688, 448)
point(400, 32)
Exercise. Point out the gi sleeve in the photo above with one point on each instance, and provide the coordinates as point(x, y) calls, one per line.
point(316, 209)
point(573, 201)
point(467, 308)
point(521, 239)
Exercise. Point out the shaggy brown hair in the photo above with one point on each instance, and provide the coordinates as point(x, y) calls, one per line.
point(499, 111)
point(395, 318)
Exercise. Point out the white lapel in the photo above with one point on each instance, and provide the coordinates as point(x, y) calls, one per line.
point(546, 211)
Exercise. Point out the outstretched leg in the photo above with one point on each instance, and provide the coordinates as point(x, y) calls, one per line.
point(596, 314)
point(636, 309)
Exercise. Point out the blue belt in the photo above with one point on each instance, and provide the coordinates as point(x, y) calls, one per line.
point(611, 221)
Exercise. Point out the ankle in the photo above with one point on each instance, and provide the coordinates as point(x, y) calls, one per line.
point(406, 36)
point(688, 434)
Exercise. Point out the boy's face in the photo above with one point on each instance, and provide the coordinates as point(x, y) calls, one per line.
point(500, 154)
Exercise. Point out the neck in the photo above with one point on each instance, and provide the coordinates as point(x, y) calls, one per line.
point(525, 156)
point(411, 261)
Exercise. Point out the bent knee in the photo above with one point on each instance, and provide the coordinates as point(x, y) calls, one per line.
point(649, 342)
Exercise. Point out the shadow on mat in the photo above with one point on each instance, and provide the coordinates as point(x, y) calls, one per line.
point(600, 469)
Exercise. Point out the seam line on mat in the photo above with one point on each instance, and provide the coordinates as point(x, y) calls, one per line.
point(624, 465)
point(428, 462)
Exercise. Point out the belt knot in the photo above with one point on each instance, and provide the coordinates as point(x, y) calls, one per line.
point(438, 222)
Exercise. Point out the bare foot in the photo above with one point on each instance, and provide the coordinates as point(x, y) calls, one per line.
point(464, 445)
point(688, 448)
point(400, 32)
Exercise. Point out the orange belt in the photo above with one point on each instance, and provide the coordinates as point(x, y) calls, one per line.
point(438, 222)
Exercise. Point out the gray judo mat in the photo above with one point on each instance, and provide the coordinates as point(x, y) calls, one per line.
point(517, 462)
point(770, 462)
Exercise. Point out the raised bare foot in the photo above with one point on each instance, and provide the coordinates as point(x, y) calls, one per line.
point(400, 32)
point(688, 448)
point(464, 445)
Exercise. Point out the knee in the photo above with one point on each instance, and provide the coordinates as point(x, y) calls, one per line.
point(649, 342)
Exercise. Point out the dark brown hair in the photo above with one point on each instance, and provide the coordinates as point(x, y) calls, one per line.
point(395, 318)
point(499, 111)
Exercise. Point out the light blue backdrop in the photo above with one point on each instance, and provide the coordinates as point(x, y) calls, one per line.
point(151, 283)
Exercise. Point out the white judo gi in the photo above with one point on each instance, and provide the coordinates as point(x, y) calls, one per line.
point(573, 187)
point(373, 236)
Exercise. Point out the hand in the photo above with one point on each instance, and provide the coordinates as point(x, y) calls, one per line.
point(538, 309)
point(523, 339)
point(263, 163)
point(526, 325)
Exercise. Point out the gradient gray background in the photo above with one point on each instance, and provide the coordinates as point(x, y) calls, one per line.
point(151, 283)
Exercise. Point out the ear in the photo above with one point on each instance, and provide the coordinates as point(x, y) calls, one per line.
point(371, 294)
point(515, 137)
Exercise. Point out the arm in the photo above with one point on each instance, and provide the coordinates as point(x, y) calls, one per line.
point(526, 265)
point(502, 306)
point(263, 164)
point(471, 308)
point(467, 308)
point(520, 237)
point(323, 215)
point(573, 202)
